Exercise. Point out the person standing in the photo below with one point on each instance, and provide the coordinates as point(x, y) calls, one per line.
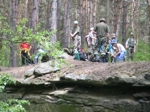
point(102, 32)
point(120, 51)
point(25, 52)
point(40, 53)
point(75, 35)
point(131, 46)
point(91, 40)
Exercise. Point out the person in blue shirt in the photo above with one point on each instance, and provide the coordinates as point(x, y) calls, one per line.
point(112, 50)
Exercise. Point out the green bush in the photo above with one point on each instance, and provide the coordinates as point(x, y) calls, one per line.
point(10, 105)
point(143, 52)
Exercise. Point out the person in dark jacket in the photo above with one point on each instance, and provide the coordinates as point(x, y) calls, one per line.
point(102, 32)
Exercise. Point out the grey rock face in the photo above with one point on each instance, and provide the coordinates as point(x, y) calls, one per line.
point(84, 87)
point(29, 72)
point(63, 98)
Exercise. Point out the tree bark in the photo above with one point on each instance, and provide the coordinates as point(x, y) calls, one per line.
point(42, 14)
point(91, 13)
point(82, 27)
point(34, 21)
point(86, 24)
point(117, 9)
point(1, 12)
point(76, 10)
point(119, 20)
point(95, 12)
point(1, 7)
point(148, 2)
point(48, 16)
point(53, 38)
point(19, 11)
point(26, 9)
point(124, 22)
point(66, 39)
point(35, 13)
point(13, 48)
point(107, 12)
point(132, 15)
point(59, 4)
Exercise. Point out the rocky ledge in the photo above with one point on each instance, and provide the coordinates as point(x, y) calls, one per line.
point(82, 86)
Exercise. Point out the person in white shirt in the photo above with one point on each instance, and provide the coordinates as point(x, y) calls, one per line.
point(121, 51)
point(91, 40)
point(75, 35)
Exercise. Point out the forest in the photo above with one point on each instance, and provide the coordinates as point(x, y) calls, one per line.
point(53, 19)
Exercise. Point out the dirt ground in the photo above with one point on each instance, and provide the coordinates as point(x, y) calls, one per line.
point(86, 67)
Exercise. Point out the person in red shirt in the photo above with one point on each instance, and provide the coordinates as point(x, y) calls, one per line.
point(25, 52)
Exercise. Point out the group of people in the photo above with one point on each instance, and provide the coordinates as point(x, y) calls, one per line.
point(102, 45)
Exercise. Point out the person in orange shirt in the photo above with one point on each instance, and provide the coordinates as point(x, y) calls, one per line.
point(25, 52)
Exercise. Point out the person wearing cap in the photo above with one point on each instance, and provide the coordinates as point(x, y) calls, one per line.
point(75, 35)
point(131, 46)
point(102, 32)
point(120, 51)
point(112, 50)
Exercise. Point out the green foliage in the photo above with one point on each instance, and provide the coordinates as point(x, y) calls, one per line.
point(11, 105)
point(5, 79)
point(143, 52)
point(34, 37)
point(23, 32)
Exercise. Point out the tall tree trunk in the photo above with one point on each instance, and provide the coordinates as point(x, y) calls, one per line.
point(100, 2)
point(35, 13)
point(107, 12)
point(137, 29)
point(34, 21)
point(66, 39)
point(76, 9)
point(13, 48)
point(1, 7)
point(42, 14)
point(119, 20)
point(82, 20)
point(95, 12)
point(59, 20)
point(132, 15)
point(91, 13)
point(53, 38)
point(26, 9)
point(48, 16)
point(29, 12)
point(1, 12)
point(59, 4)
point(87, 20)
point(19, 11)
point(117, 7)
point(124, 22)
point(148, 2)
